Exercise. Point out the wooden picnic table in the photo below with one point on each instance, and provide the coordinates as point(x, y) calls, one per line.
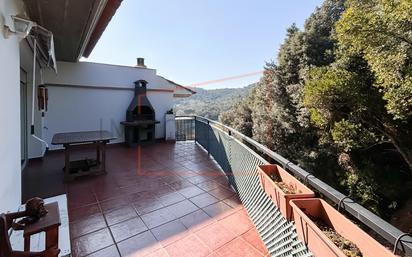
point(71, 140)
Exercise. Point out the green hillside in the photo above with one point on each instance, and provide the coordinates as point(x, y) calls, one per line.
point(210, 103)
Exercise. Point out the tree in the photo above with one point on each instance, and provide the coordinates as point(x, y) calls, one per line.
point(382, 31)
point(239, 117)
point(329, 103)
point(346, 105)
point(281, 121)
point(320, 31)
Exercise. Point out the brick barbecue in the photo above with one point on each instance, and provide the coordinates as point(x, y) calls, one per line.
point(140, 123)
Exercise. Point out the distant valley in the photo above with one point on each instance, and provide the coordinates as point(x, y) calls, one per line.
point(210, 103)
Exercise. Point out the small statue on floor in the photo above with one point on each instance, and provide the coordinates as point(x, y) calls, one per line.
point(34, 211)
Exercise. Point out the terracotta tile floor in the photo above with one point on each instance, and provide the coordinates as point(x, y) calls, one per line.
point(159, 200)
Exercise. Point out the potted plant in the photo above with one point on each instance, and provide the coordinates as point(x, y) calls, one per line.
point(281, 187)
point(326, 232)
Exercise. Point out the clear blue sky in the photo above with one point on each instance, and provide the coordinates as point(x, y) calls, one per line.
point(193, 41)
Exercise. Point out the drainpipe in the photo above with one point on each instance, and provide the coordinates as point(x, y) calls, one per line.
point(33, 97)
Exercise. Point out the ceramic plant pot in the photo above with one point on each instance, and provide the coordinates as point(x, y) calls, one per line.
point(307, 210)
point(278, 196)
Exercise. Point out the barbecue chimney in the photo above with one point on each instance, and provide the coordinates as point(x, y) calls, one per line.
point(140, 63)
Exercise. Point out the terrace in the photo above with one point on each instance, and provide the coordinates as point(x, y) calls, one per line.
point(196, 197)
point(161, 200)
point(200, 196)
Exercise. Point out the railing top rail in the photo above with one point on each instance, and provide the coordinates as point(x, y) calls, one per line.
point(377, 224)
point(185, 117)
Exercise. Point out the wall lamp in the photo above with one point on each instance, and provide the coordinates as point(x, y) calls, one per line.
point(22, 27)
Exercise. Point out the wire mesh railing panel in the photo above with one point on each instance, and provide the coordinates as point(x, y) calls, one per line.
point(240, 165)
point(185, 128)
point(202, 133)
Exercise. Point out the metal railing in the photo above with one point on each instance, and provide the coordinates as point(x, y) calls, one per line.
point(185, 128)
point(240, 165)
point(227, 145)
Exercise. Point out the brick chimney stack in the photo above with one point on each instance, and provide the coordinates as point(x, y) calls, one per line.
point(140, 63)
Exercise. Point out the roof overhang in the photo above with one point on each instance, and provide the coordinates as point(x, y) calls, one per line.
point(106, 16)
point(76, 24)
point(181, 91)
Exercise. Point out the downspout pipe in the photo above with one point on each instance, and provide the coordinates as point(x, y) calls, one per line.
point(33, 98)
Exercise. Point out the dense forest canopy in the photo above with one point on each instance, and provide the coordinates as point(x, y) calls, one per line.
point(338, 100)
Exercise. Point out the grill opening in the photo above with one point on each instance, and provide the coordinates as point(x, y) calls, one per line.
point(143, 113)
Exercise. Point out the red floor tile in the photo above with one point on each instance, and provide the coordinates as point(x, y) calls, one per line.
point(126, 229)
point(221, 193)
point(169, 178)
point(160, 189)
point(86, 225)
point(170, 232)
point(170, 198)
point(185, 174)
point(108, 193)
point(253, 238)
point(188, 246)
point(91, 243)
point(79, 187)
point(209, 185)
point(145, 206)
point(158, 253)
point(110, 251)
point(182, 183)
point(197, 167)
point(114, 204)
point(222, 180)
point(79, 199)
point(119, 215)
point(214, 254)
point(140, 196)
point(196, 220)
point(238, 248)
point(218, 210)
point(215, 236)
point(189, 192)
point(200, 179)
point(238, 223)
point(203, 200)
point(183, 208)
point(139, 245)
point(83, 212)
point(233, 202)
point(157, 218)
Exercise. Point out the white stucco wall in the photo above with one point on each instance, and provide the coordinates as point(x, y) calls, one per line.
point(97, 74)
point(103, 106)
point(10, 167)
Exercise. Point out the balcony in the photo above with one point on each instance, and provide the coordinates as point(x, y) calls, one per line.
point(190, 198)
